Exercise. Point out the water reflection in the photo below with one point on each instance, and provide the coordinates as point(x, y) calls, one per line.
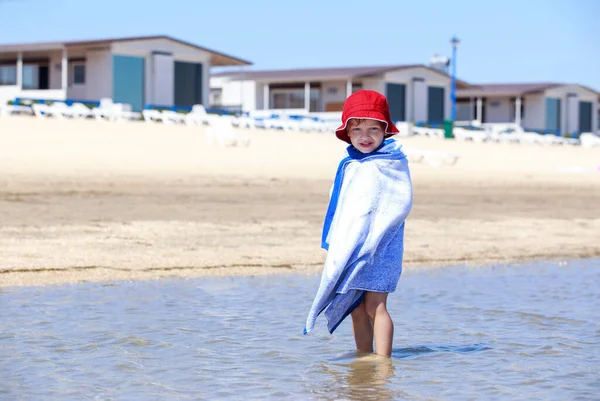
point(369, 378)
point(363, 376)
point(358, 376)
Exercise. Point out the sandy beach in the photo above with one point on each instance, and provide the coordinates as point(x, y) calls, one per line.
point(91, 201)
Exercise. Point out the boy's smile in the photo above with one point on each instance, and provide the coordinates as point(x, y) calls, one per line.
point(366, 136)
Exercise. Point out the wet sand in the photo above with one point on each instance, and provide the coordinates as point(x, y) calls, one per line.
point(92, 201)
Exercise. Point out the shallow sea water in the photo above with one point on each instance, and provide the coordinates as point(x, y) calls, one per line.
point(528, 331)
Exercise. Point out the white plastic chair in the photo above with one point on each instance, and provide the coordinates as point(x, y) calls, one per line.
point(104, 109)
point(198, 116)
point(122, 111)
point(589, 140)
point(222, 132)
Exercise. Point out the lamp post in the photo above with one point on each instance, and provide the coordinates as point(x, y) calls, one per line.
point(454, 41)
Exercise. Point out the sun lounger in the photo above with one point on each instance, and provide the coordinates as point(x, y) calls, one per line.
point(9, 109)
point(462, 134)
point(172, 117)
point(114, 111)
point(80, 110)
point(151, 116)
point(244, 121)
point(59, 110)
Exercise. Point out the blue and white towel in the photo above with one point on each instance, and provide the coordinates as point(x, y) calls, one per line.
point(363, 231)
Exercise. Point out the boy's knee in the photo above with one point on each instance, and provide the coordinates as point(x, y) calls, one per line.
point(359, 311)
point(373, 307)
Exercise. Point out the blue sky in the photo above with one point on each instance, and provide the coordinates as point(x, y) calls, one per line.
point(501, 41)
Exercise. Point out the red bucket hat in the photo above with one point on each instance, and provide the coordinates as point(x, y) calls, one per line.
point(366, 104)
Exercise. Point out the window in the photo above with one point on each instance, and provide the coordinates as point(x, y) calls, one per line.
point(8, 74)
point(31, 76)
point(356, 86)
point(464, 110)
point(296, 100)
point(280, 100)
point(78, 74)
point(314, 100)
point(215, 96)
point(36, 76)
point(293, 99)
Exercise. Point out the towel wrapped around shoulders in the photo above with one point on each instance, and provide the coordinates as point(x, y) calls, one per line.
point(363, 231)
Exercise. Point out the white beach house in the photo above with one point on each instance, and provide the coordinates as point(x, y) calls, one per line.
point(544, 107)
point(415, 92)
point(157, 70)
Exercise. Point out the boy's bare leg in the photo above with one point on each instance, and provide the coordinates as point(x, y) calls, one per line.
point(363, 329)
point(383, 327)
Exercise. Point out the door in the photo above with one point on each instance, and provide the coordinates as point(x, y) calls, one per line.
point(435, 105)
point(474, 110)
point(187, 84)
point(128, 81)
point(396, 96)
point(585, 116)
point(553, 114)
point(44, 77)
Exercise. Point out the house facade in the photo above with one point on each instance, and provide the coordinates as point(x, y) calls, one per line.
point(140, 71)
point(415, 92)
point(546, 107)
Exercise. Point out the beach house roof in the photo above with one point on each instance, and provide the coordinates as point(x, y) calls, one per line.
point(217, 58)
point(514, 89)
point(303, 74)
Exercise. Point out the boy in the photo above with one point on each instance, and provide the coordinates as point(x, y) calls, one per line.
point(364, 225)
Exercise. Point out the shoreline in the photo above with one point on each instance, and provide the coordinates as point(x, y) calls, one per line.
point(106, 275)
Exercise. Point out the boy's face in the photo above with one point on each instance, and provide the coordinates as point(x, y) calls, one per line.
point(366, 136)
